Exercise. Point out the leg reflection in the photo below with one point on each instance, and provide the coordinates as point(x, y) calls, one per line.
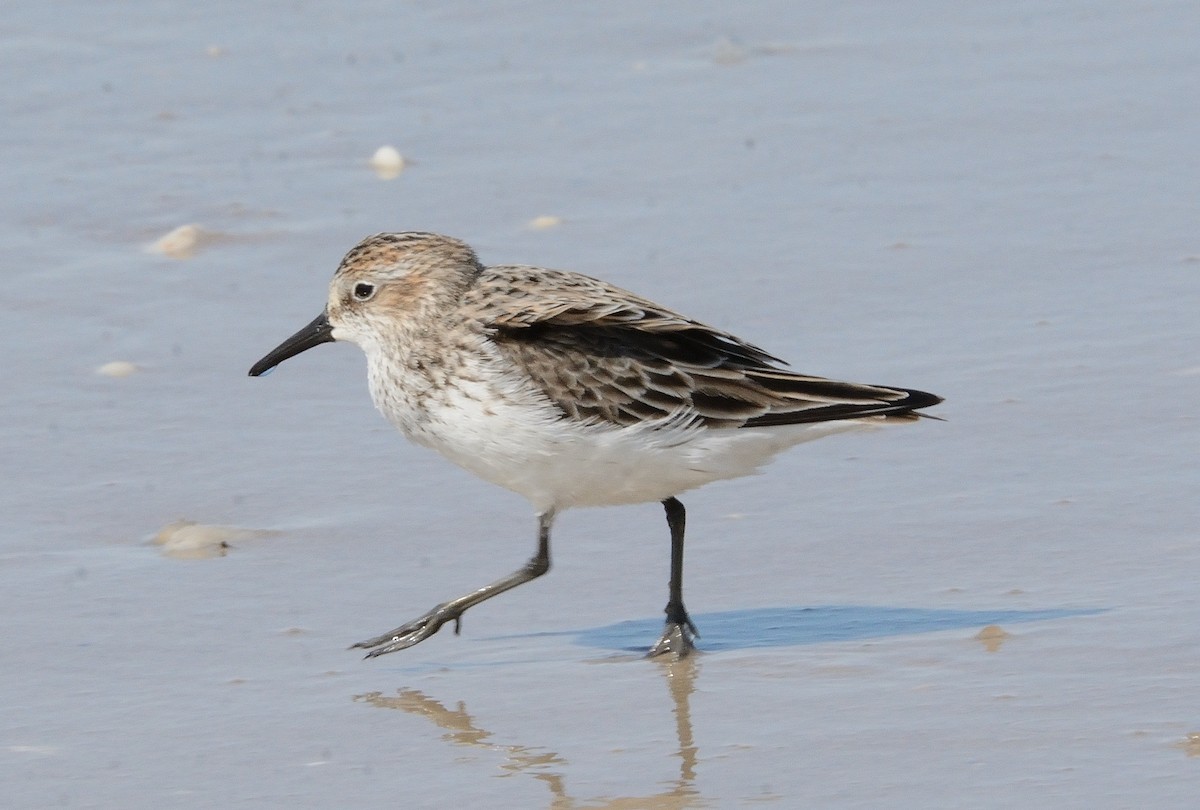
point(551, 768)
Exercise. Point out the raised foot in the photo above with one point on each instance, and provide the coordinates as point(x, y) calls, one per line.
point(412, 633)
point(676, 640)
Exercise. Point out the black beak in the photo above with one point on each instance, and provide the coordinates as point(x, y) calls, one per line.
point(316, 333)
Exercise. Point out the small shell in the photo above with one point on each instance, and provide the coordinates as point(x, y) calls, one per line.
point(117, 368)
point(992, 637)
point(388, 162)
point(545, 222)
point(189, 540)
point(179, 243)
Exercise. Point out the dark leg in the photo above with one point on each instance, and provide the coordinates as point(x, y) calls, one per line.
point(678, 634)
point(421, 628)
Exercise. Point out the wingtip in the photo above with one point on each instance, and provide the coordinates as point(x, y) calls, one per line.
point(917, 400)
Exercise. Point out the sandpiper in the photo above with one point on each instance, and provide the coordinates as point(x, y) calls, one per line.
point(569, 391)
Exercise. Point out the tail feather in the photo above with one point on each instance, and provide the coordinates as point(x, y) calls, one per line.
point(855, 402)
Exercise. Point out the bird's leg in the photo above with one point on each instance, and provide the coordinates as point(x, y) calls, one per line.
point(678, 634)
point(422, 627)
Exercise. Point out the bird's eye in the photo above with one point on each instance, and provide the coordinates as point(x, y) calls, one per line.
point(363, 291)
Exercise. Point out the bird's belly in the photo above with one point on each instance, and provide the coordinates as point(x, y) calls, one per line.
point(559, 463)
point(499, 428)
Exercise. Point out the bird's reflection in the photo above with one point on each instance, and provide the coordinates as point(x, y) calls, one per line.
point(549, 767)
point(545, 766)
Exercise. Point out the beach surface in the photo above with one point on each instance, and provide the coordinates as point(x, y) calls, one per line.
point(993, 202)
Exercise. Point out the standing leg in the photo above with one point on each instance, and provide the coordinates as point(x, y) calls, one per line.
point(678, 634)
point(422, 627)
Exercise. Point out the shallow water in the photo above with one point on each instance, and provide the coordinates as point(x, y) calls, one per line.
point(996, 203)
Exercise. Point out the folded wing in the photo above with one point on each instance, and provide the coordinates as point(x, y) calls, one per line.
point(604, 354)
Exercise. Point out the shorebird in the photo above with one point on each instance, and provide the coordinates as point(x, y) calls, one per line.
point(569, 391)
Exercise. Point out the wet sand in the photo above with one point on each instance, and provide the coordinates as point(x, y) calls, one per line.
point(996, 204)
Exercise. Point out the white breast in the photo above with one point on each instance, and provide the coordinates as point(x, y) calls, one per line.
point(490, 421)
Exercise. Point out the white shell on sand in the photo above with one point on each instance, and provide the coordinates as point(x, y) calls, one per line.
point(188, 540)
point(178, 244)
point(388, 162)
point(545, 222)
point(117, 368)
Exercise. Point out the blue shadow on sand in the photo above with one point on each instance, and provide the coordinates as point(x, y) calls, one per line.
point(793, 626)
